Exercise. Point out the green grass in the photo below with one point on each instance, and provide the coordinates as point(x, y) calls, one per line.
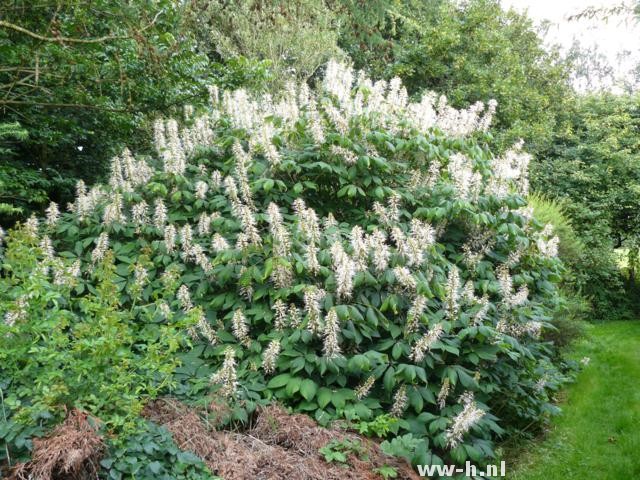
point(598, 434)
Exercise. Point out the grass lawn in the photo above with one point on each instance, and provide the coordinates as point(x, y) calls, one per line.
point(598, 434)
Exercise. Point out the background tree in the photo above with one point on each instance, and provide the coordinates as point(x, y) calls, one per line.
point(471, 51)
point(81, 78)
point(295, 37)
point(594, 166)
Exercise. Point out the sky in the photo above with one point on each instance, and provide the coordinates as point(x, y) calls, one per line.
point(612, 37)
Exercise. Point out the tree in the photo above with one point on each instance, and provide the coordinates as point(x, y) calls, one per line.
point(472, 51)
point(82, 76)
point(294, 37)
point(594, 165)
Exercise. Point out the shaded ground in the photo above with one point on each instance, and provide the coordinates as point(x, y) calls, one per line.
point(598, 434)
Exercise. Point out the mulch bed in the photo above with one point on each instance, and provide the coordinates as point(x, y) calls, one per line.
point(277, 446)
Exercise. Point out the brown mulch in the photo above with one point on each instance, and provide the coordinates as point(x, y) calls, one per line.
point(71, 452)
point(278, 446)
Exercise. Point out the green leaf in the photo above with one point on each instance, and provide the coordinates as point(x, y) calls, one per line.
point(324, 397)
point(397, 350)
point(338, 399)
point(155, 467)
point(415, 400)
point(293, 386)
point(268, 184)
point(389, 379)
point(279, 381)
point(268, 268)
point(308, 389)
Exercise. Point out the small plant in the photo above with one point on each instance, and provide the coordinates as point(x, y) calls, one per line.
point(386, 472)
point(339, 450)
point(380, 426)
point(405, 446)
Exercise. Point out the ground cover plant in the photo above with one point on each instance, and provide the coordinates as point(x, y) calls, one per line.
point(341, 251)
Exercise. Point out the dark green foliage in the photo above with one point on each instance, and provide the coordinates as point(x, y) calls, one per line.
point(295, 37)
point(593, 167)
point(151, 454)
point(92, 96)
point(14, 184)
point(16, 438)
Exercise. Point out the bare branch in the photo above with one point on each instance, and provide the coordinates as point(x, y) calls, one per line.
point(60, 39)
point(18, 28)
point(61, 105)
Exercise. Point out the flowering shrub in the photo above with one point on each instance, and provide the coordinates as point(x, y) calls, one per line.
point(345, 252)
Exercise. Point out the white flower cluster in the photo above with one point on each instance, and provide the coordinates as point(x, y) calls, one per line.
point(388, 102)
point(345, 154)
point(86, 201)
point(414, 247)
point(423, 345)
point(404, 277)
point(312, 298)
point(281, 274)
point(480, 242)
point(219, 243)
point(127, 172)
point(309, 228)
point(414, 314)
point(511, 169)
point(140, 277)
point(184, 298)
point(515, 329)
point(102, 245)
point(66, 275)
point(31, 226)
point(547, 243)
point(351, 96)
point(363, 389)
point(205, 329)
point(226, 377)
point(240, 328)
point(509, 298)
point(52, 214)
point(444, 392)
point(114, 210)
point(344, 269)
point(331, 347)
point(481, 314)
point(17, 313)
point(464, 421)
point(467, 182)
point(389, 215)
point(452, 293)
point(140, 214)
point(379, 250)
point(270, 357)
point(400, 402)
